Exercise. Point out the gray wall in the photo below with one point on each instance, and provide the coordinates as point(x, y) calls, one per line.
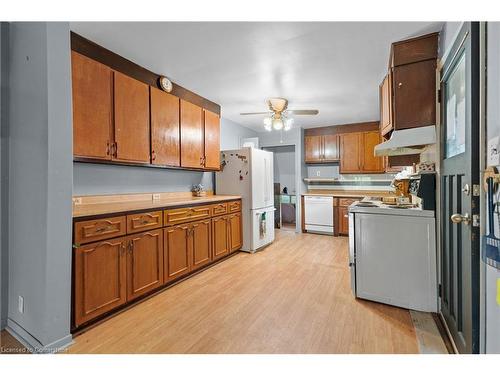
point(284, 166)
point(3, 174)
point(94, 179)
point(232, 133)
point(40, 175)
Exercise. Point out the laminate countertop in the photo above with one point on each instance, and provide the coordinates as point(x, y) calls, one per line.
point(95, 209)
point(352, 193)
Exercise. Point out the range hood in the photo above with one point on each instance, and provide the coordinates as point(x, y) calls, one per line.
point(407, 142)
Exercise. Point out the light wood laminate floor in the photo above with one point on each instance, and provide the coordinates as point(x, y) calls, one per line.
point(293, 297)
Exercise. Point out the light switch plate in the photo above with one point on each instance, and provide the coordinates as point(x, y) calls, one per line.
point(20, 304)
point(318, 173)
point(493, 152)
point(77, 201)
point(156, 197)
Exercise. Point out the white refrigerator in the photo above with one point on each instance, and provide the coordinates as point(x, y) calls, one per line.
point(248, 172)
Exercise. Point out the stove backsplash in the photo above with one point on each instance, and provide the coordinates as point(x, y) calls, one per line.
point(346, 181)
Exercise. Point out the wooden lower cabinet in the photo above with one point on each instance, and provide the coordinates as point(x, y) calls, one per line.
point(100, 278)
point(144, 263)
point(176, 258)
point(235, 232)
point(343, 221)
point(201, 243)
point(109, 273)
point(220, 241)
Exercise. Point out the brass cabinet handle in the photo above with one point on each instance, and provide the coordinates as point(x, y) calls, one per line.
point(107, 148)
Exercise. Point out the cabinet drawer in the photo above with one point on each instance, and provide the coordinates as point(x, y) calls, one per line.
point(101, 229)
point(144, 221)
point(219, 209)
point(234, 206)
point(182, 215)
point(343, 202)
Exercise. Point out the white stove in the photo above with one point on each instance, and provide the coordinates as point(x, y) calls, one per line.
point(392, 254)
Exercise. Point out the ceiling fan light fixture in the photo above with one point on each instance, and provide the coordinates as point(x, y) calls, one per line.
point(277, 124)
point(288, 124)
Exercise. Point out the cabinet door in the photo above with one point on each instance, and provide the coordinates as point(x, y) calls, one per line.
point(386, 104)
point(371, 163)
point(201, 242)
point(100, 279)
point(176, 257)
point(350, 149)
point(144, 263)
point(331, 147)
point(165, 129)
point(212, 140)
point(313, 148)
point(131, 120)
point(220, 238)
point(235, 235)
point(192, 138)
point(343, 220)
point(415, 95)
point(91, 107)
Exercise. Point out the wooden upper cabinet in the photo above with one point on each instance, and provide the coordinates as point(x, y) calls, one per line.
point(131, 119)
point(331, 150)
point(415, 95)
point(92, 108)
point(212, 140)
point(386, 105)
point(201, 242)
point(371, 163)
point(176, 256)
point(321, 148)
point(350, 152)
point(313, 148)
point(165, 129)
point(144, 263)
point(100, 278)
point(192, 135)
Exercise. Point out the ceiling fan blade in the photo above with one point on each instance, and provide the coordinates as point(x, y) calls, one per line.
point(255, 113)
point(303, 111)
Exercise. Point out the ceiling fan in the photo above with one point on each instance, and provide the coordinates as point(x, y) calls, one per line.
point(278, 114)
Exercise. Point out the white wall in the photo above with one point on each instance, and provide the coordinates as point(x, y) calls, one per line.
point(40, 175)
point(492, 275)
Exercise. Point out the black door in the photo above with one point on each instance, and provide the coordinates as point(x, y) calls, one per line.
point(459, 199)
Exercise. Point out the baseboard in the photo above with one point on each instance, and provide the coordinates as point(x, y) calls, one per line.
point(3, 324)
point(32, 344)
point(442, 325)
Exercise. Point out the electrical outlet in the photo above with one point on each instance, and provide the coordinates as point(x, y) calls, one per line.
point(318, 173)
point(77, 201)
point(156, 197)
point(20, 304)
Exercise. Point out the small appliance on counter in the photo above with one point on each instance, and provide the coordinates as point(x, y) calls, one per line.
point(422, 187)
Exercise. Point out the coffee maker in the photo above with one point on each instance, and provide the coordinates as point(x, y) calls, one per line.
point(422, 188)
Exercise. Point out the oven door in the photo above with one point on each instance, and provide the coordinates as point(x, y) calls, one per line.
point(352, 252)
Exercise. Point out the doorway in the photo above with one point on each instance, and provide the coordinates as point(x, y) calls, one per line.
point(285, 189)
point(459, 185)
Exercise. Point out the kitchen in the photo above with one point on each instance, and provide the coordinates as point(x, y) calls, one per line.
point(165, 242)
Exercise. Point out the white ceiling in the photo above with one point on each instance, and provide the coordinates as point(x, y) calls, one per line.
point(334, 67)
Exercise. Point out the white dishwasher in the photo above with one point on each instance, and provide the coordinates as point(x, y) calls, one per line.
point(318, 214)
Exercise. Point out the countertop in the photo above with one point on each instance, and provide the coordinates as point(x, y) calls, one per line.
point(352, 193)
point(94, 209)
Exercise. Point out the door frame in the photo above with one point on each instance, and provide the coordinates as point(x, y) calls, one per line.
point(472, 28)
